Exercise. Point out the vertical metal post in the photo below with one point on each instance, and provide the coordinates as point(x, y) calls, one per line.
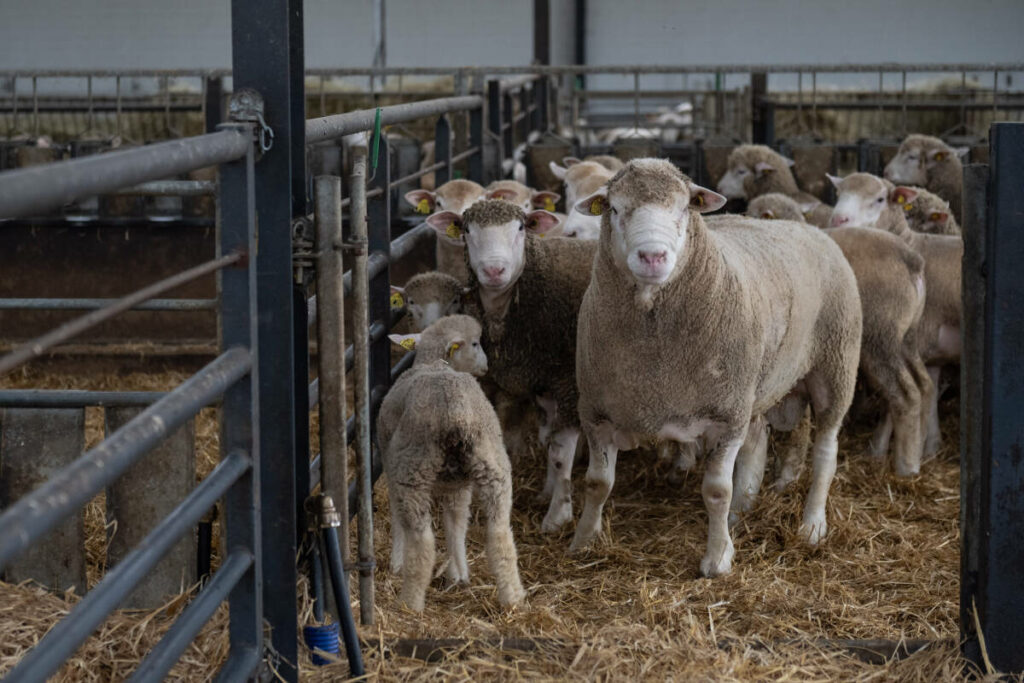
point(267, 56)
point(443, 149)
point(580, 41)
point(213, 106)
point(541, 32)
point(542, 95)
point(496, 115)
point(476, 139)
point(758, 115)
point(994, 510)
point(523, 130)
point(240, 410)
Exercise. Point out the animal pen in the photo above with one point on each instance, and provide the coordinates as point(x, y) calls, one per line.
point(281, 237)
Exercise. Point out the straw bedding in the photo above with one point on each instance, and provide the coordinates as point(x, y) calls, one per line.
point(635, 607)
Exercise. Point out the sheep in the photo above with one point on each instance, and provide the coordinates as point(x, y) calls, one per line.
point(932, 164)
point(428, 297)
point(930, 213)
point(890, 281)
point(581, 179)
point(755, 170)
point(527, 198)
point(868, 200)
point(439, 437)
point(444, 207)
point(529, 291)
point(613, 164)
point(686, 332)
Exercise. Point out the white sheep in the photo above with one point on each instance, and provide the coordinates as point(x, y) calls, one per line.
point(581, 180)
point(931, 163)
point(440, 438)
point(687, 332)
point(443, 209)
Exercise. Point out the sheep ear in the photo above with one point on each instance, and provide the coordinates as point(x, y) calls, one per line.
point(704, 200)
point(541, 221)
point(447, 223)
point(768, 213)
point(789, 162)
point(507, 195)
point(545, 200)
point(424, 200)
point(903, 195)
point(406, 341)
point(397, 297)
point(453, 346)
point(807, 207)
point(570, 161)
point(594, 205)
point(557, 171)
point(763, 168)
point(834, 179)
point(961, 151)
point(938, 216)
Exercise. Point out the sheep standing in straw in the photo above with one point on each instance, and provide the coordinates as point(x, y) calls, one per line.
point(686, 332)
point(440, 437)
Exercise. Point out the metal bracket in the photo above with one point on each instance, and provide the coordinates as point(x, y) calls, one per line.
point(247, 105)
point(303, 250)
point(355, 245)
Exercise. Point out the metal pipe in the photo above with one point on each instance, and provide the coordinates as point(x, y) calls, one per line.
point(63, 639)
point(339, 125)
point(172, 188)
point(64, 398)
point(27, 520)
point(165, 653)
point(73, 328)
point(93, 304)
point(330, 336)
point(361, 338)
point(336, 569)
point(41, 188)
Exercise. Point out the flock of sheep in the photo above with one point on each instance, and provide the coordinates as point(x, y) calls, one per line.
point(638, 320)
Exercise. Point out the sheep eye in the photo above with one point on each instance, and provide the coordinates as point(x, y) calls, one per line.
point(741, 171)
point(411, 302)
point(522, 226)
point(880, 200)
point(476, 344)
point(614, 211)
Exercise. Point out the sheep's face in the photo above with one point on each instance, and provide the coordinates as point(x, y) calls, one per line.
point(427, 308)
point(935, 221)
point(862, 198)
point(497, 250)
point(465, 354)
point(907, 167)
point(647, 207)
point(731, 184)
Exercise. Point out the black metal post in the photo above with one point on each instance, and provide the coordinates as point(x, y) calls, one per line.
point(508, 125)
point(476, 139)
point(495, 122)
point(443, 150)
point(214, 103)
point(541, 32)
point(580, 42)
point(525, 97)
point(267, 56)
point(993, 507)
point(541, 95)
point(758, 118)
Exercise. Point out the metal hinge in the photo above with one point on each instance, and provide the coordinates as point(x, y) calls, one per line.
point(303, 250)
point(247, 105)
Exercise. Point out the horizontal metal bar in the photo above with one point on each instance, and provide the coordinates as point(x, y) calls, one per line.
point(63, 639)
point(517, 83)
point(173, 188)
point(165, 653)
point(109, 222)
point(41, 188)
point(72, 328)
point(99, 107)
point(898, 104)
point(27, 520)
point(62, 398)
point(93, 304)
point(434, 167)
point(339, 125)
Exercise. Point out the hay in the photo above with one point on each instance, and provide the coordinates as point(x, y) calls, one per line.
point(635, 606)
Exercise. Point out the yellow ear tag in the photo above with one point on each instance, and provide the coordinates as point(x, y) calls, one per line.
point(908, 207)
point(453, 231)
point(396, 300)
point(900, 199)
point(548, 204)
point(940, 156)
point(452, 349)
point(408, 344)
point(934, 217)
point(699, 200)
point(423, 206)
point(597, 207)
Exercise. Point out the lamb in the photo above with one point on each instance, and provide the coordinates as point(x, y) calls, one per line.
point(931, 163)
point(527, 198)
point(581, 179)
point(529, 291)
point(613, 164)
point(687, 332)
point(868, 200)
point(444, 207)
point(890, 281)
point(755, 170)
point(439, 437)
point(930, 213)
point(428, 297)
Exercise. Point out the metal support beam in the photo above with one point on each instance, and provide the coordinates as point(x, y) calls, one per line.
point(213, 103)
point(267, 57)
point(443, 150)
point(476, 141)
point(758, 115)
point(541, 31)
point(993, 507)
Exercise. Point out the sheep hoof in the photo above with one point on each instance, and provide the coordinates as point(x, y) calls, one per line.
point(580, 544)
point(813, 529)
point(717, 564)
point(512, 597)
point(558, 516)
point(906, 472)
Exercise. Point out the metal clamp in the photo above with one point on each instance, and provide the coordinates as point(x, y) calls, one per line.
point(355, 245)
point(303, 250)
point(247, 105)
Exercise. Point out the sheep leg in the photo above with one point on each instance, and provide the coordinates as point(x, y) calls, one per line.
point(397, 533)
point(599, 481)
point(749, 470)
point(496, 499)
point(716, 490)
point(933, 440)
point(561, 453)
point(419, 547)
point(794, 446)
point(892, 376)
point(878, 444)
point(823, 468)
point(550, 408)
point(455, 513)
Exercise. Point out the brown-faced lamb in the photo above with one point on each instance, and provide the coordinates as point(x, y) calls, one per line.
point(529, 291)
point(428, 297)
point(754, 170)
point(440, 439)
point(688, 332)
point(581, 180)
point(443, 209)
point(930, 163)
point(868, 200)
